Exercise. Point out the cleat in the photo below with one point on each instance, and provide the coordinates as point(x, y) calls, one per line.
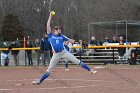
point(66, 69)
point(36, 82)
point(93, 72)
point(53, 70)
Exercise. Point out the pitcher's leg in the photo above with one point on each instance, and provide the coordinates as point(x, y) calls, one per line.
point(66, 64)
point(52, 64)
point(72, 58)
point(65, 61)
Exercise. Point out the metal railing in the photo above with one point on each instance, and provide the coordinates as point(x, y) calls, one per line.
point(111, 57)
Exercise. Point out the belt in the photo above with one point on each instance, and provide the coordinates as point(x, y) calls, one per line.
point(59, 51)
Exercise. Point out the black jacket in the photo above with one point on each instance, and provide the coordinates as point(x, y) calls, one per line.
point(29, 46)
point(14, 52)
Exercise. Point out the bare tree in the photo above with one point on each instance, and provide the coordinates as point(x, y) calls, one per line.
point(73, 15)
point(11, 29)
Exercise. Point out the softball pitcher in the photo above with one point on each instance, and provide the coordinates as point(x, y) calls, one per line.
point(56, 40)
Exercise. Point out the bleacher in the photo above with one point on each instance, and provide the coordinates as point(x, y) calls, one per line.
point(99, 56)
point(106, 55)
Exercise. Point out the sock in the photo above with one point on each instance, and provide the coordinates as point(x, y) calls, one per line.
point(84, 66)
point(44, 76)
point(66, 65)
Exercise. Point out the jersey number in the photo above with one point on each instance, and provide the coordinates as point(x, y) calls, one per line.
point(57, 41)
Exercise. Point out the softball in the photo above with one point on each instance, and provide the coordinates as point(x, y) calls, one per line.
point(52, 13)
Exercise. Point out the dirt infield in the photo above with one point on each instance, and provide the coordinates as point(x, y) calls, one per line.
point(109, 79)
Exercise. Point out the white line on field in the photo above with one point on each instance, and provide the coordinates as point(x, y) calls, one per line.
point(82, 80)
point(66, 87)
point(5, 89)
point(53, 88)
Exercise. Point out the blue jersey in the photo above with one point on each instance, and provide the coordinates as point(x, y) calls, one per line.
point(57, 42)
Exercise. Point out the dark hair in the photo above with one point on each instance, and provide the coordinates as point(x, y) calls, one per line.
point(44, 34)
point(57, 27)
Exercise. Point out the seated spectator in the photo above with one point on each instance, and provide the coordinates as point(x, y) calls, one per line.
point(75, 50)
point(121, 50)
point(115, 40)
point(121, 39)
point(92, 42)
point(84, 44)
point(107, 40)
point(80, 42)
point(80, 50)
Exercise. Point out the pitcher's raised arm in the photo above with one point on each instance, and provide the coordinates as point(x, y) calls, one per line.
point(48, 24)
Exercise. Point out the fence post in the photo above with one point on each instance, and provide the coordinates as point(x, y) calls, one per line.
point(24, 42)
point(25, 50)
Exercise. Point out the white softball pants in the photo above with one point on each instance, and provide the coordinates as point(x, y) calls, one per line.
point(57, 56)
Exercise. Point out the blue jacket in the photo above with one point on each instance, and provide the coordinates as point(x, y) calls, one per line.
point(45, 44)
